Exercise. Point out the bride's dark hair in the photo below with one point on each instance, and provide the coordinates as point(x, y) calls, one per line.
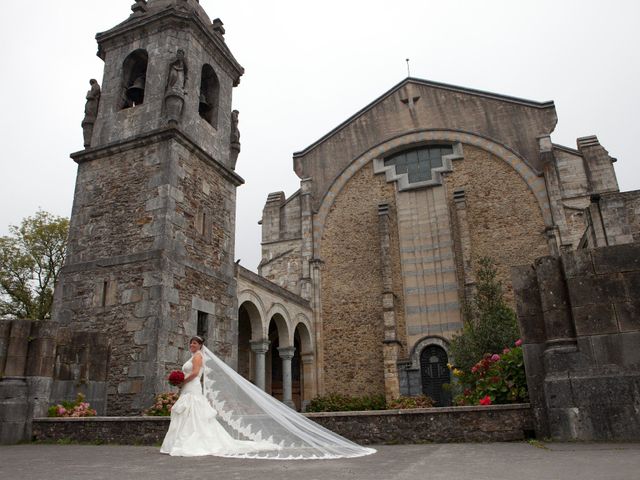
point(198, 339)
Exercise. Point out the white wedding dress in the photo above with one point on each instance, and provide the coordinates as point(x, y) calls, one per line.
point(194, 430)
point(221, 413)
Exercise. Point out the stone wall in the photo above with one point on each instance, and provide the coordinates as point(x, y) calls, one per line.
point(151, 245)
point(461, 424)
point(41, 364)
point(282, 263)
point(282, 241)
point(579, 317)
point(116, 430)
point(620, 216)
point(352, 324)
point(111, 281)
point(502, 216)
point(499, 423)
point(204, 274)
point(436, 243)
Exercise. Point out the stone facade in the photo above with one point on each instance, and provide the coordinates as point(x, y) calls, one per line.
point(352, 327)
point(151, 242)
point(499, 210)
point(386, 288)
point(578, 314)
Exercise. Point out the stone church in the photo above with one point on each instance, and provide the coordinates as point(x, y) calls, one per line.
point(397, 204)
point(364, 269)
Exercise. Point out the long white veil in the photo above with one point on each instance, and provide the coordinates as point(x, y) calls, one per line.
point(248, 413)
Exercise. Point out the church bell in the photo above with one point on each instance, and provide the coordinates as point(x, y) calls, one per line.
point(135, 93)
point(204, 106)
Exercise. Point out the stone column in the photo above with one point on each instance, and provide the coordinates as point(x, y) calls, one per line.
point(306, 225)
point(316, 266)
point(308, 379)
point(286, 354)
point(555, 305)
point(551, 233)
point(391, 345)
point(468, 278)
point(260, 348)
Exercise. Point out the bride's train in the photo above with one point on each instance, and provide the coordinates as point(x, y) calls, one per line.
point(228, 416)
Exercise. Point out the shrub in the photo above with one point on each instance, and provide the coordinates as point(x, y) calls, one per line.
point(78, 408)
point(335, 402)
point(494, 379)
point(489, 323)
point(162, 406)
point(421, 401)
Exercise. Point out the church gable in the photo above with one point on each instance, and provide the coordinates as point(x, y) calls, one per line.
point(420, 105)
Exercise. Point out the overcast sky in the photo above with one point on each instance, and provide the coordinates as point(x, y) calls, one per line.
point(309, 66)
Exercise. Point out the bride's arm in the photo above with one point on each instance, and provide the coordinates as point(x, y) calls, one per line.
point(197, 365)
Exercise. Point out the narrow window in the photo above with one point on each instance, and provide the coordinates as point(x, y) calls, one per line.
point(201, 222)
point(203, 324)
point(105, 291)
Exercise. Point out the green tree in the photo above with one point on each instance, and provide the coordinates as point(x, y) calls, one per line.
point(489, 325)
point(30, 261)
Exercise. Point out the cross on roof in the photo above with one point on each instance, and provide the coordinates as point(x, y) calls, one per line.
point(409, 97)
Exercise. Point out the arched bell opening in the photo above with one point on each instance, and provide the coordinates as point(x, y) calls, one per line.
point(209, 93)
point(134, 77)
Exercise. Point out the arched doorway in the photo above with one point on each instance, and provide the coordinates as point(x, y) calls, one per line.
point(435, 373)
point(245, 364)
point(274, 364)
point(279, 343)
point(296, 373)
point(303, 364)
point(249, 332)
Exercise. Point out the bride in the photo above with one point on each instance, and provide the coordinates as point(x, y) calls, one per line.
point(221, 413)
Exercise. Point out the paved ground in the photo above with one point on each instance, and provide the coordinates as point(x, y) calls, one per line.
point(492, 461)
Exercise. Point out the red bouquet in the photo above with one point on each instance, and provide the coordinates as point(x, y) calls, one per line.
point(176, 378)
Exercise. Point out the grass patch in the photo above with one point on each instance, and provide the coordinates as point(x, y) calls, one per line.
point(537, 443)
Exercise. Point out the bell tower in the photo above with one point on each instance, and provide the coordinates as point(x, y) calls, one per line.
point(151, 242)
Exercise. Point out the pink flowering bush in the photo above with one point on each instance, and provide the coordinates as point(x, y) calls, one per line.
point(78, 408)
point(162, 406)
point(494, 379)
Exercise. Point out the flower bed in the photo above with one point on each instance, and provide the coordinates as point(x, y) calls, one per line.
point(497, 378)
point(78, 408)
